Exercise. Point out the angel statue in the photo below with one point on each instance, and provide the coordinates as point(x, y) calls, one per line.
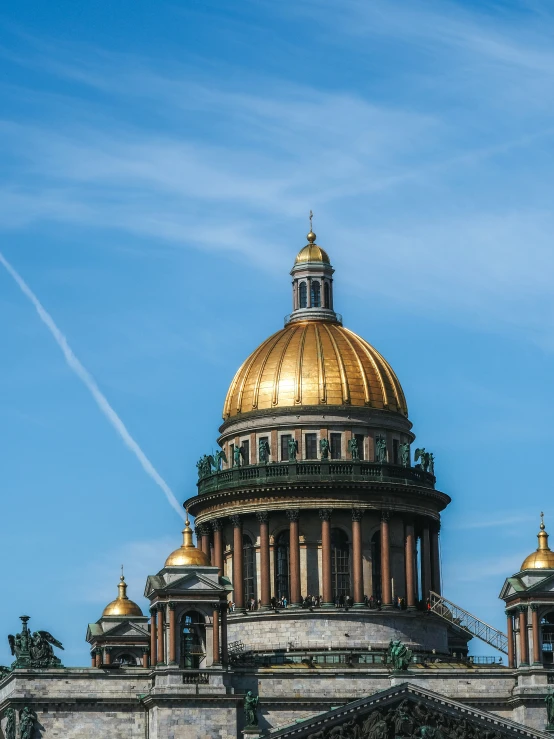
point(9, 731)
point(380, 449)
point(250, 708)
point(427, 460)
point(34, 650)
point(27, 720)
point(263, 451)
point(353, 448)
point(324, 448)
point(216, 459)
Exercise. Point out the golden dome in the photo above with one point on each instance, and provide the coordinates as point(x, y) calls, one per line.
point(187, 554)
point(543, 558)
point(312, 363)
point(122, 605)
point(312, 252)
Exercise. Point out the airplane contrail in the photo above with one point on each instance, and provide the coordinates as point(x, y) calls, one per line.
point(86, 378)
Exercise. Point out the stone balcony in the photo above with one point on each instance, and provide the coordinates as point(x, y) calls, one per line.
point(315, 472)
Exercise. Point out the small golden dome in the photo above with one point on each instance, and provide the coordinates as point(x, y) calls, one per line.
point(122, 605)
point(543, 558)
point(187, 554)
point(312, 252)
point(314, 363)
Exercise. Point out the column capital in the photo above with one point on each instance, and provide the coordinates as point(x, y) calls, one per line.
point(534, 607)
point(235, 520)
point(146, 650)
point(153, 610)
point(385, 516)
point(292, 514)
point(510, 611)
point(172, 605)
point(262, 516)
point(216, 524)
point(161, 607)
point(97, 650)
point(202, 530)
point(108, 649)
point(325, 514)
point(522, 608)
point(357, 514)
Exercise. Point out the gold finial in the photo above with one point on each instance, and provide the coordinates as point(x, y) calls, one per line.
point(187, 534)
point(542, 521)
point(122, 587)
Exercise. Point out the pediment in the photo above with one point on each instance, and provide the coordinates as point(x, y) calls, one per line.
point(127, 629)
point(406, 711)
point(193, 581)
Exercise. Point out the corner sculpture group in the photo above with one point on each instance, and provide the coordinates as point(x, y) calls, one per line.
point(210, 463)
point(32, 651)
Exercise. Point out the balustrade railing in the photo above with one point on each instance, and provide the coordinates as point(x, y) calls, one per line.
point(319, 470)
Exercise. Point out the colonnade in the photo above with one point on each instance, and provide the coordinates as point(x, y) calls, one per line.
point(428, 532)
point(518, 619)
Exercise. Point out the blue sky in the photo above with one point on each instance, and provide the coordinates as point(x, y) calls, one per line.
point(158, 164)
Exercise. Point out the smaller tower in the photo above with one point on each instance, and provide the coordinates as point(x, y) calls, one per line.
point(120, 637)
point(312, 284)
point(188, 604)
point(529, 598)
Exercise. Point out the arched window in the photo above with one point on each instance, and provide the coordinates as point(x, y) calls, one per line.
point(340, 565)
point(303, 295)
point(193, 638)
point(126, 659)
point(316, 294)
point(248, 569)
point(547, 634)
point(327, 295)
point(282, 566)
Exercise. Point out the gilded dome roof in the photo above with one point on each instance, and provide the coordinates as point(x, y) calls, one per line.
point(543, 558)
point(312, 363)
point(122, 605)
point(312, 253)
point(187, 554)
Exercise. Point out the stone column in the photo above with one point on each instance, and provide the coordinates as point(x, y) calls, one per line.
point(161, 627)
point(294, 559)
point(145, 651)
point(98, 657)
point(218, 545)
point(238, 585)
point(425, 562)
point(224, 640)
point(523, 637)
point(265, 575)
point(326, 584)
point(386, 589)
point(510, 632)
point(205, 534)
point(409, 556)
point(215, 635)
point(153, 637)
point(537, 656)
point(172, 636)
point(435, 560)
point(357, 558)
point(107, 655)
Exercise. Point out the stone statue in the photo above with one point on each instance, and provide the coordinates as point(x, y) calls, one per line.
point(324, 448)
point(204, 466)
point(251, 709)
point(403, 722)
point(549, 700)
point(263, 451)
point(4, 672)
point(34, 650)
point(237, 456)
point(426, 459)
point(10, 724)
point(398, 655)
point(215, 461)
point(27, 720)
point(293, 449)
point(405, 455)
point(432, 463)
point(353, 448)
point(380, 449)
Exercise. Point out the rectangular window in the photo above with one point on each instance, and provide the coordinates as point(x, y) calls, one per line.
point(245, 451)
point(265, 441)
point(336, 446)
point(285, 438)
point(360, 440)
point(395, 454)
point(310, 440)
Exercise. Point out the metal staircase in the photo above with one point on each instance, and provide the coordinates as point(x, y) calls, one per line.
point(468, 622)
